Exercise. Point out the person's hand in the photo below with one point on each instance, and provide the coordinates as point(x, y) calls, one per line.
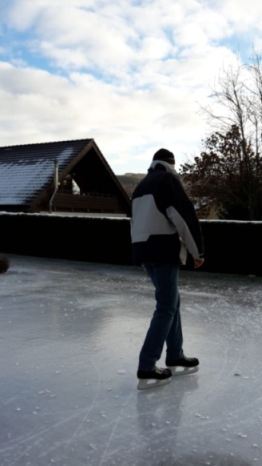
point(198, 263)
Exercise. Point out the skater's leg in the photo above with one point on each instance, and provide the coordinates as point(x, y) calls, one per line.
point(174, 340)
point(164, 278)
point(176, 361)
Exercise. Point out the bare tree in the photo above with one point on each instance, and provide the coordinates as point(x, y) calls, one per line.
point(232, 102)
point(229, 171)
point(255, 96)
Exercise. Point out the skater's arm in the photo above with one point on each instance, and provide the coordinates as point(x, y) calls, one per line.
point(181, 213)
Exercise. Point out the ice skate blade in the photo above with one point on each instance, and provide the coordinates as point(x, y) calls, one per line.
point(145, 384)
point(179, 370)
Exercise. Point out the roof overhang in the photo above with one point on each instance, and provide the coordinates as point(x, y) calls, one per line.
point(47, 192)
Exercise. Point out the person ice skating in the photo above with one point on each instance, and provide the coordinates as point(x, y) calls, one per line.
point(164, 225)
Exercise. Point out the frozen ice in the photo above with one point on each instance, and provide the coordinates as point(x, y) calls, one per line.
point(68, 382)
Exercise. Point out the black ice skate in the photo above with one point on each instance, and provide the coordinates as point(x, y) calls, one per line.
point(152, 379)
point(183, 365)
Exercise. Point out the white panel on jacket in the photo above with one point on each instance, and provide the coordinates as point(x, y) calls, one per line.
point(147, 220)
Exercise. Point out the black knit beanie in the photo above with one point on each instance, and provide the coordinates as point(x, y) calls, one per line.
point(164, 155)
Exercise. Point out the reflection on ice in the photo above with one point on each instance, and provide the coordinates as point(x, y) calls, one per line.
point(69, 341)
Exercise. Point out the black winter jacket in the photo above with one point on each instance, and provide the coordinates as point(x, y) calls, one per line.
point(162, 214)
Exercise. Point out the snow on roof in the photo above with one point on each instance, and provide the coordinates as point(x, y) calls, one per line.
point(27, 169)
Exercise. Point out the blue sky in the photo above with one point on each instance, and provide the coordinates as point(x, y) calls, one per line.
point(130, 74)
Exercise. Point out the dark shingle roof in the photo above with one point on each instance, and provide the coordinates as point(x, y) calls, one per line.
point(28, 169)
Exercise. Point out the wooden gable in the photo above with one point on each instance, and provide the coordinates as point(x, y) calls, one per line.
point(86, 181)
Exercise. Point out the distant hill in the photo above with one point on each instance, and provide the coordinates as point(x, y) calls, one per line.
point(129, 181)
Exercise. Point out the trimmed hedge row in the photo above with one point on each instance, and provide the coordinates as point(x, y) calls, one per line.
point(76, 238)
point(230, 247)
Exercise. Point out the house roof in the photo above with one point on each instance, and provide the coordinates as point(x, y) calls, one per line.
point(26, 170)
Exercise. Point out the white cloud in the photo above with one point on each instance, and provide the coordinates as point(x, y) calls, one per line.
point(42, 107)
point(112, 38)
point(22, 15)
point(133, 72)
point(243, 15)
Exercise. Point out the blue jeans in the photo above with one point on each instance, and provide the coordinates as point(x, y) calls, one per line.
point(165, 325)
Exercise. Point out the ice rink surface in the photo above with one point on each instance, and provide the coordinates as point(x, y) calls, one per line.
point(70, 334)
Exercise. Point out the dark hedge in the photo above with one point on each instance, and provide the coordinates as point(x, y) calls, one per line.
point(76, 238)
point(230, 247)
